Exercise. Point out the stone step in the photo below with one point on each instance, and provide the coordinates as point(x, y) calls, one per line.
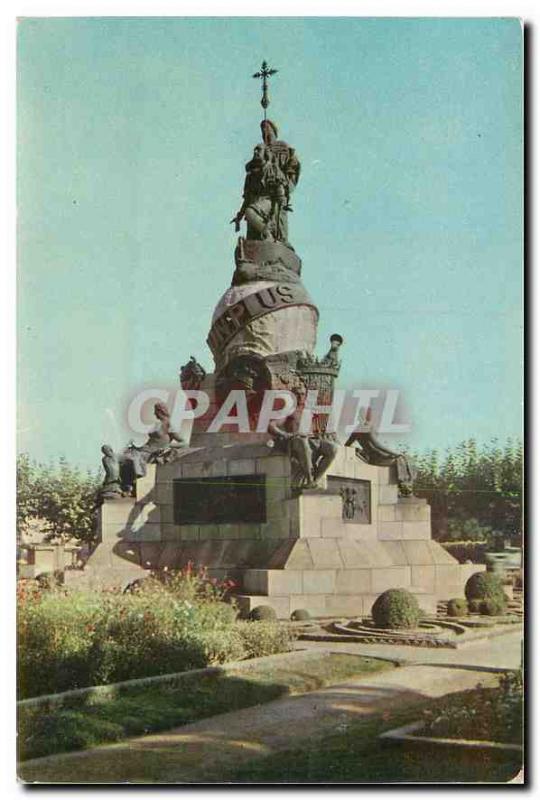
point(323, 605)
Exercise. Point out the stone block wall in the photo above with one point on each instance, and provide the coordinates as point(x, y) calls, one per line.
point(301, 553)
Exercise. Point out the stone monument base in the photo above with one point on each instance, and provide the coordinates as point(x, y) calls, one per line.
point(231, 508)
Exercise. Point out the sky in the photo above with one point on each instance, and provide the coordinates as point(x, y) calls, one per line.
point(132, 139)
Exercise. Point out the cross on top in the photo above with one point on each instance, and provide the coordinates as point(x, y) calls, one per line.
point(265, 73)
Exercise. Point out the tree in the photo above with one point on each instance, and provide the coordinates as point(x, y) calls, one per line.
point(62, 497)
point(474, 491)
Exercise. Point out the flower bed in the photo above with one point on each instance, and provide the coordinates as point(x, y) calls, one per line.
point(486, 715)
point(173, 622)
point(489, 719)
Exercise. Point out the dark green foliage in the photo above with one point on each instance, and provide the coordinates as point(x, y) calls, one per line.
point(50, 580)
point(60, 497)
point(300, 615)
point(474, 492)
point(68, 641)
point(64, 729)
point(262, 613)
point(493, 714)
point(475, 606)
point(493, 607)
point(473, 552)
point(136, 710)
point(457, 607)
point(484, 586)
point(396, 608)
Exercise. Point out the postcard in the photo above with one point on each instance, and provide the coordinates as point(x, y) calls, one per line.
point(270, 392)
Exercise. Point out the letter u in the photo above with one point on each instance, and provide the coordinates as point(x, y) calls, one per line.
point(260, 297)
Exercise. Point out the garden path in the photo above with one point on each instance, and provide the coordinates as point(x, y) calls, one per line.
point(202, 751)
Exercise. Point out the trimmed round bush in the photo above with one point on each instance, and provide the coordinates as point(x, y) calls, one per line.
point(475, 606)
point(50, 580)
point(263, 614)
point(300, 615)
point(457, 607)
point(492, 607)
point(484, 586)
point(396, 608)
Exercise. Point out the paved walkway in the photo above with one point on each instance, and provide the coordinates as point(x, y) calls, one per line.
point(199, 753)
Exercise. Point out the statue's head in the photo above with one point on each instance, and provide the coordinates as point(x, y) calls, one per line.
point(161, 411)
point(269, 131)
point(336, 341)
point(107, 450)
point(258, 152)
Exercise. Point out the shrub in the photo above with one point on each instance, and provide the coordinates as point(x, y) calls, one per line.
point(485, 586)
point(457, 607)
point(48, 581)
point(396, 608)
point(60, 497)
point(492, 607)
point(265, 639)
point(68, 641)
point(466, 552)
point(475, 606)
point(262, 613)
point(300, 615)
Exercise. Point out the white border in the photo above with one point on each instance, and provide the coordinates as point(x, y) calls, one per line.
point(528, 11)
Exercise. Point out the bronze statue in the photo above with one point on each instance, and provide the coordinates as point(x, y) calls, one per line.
point(311, 454)
point(271, 176)
point(331, 359)
point(373, 452)
point(348, 496)
point(110, 488)
point(192, 374)
point(160, 447)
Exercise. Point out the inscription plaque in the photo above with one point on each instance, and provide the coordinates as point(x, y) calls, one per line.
point(227, 499)
point(356, 498)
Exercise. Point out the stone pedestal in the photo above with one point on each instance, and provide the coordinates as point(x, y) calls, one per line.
point(298, 550)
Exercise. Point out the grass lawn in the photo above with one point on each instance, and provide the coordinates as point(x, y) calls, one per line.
point(355, 755)
point(85, 722)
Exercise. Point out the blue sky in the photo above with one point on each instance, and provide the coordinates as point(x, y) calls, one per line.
point(133, 133)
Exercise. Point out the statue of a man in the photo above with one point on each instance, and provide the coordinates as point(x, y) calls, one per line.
point(161, 445)
point(371, 451)
point(311, 454)
point(332, 357)
point(271, 176)
point(111, 483)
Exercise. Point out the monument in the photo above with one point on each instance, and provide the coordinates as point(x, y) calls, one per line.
point(296, 518)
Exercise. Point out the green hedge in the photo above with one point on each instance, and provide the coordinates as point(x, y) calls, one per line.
point(67, 641)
